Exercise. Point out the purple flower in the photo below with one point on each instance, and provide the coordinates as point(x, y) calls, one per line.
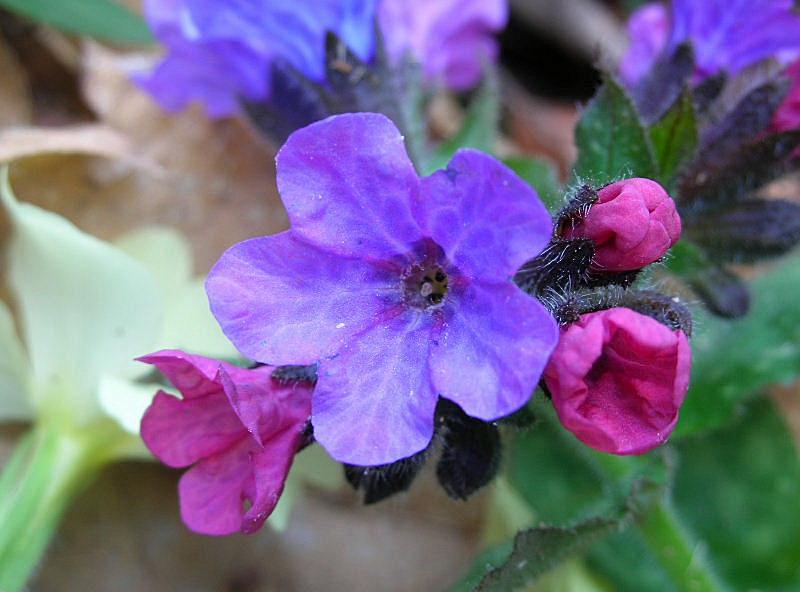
point(220, 50)
point(397, 286)
point(727, 35)
point(238, 430)
point(451, 38)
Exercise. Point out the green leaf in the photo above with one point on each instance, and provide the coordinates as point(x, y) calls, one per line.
point(675, 138)
point(612, 141)
point(540, 175)
point(737, 491)
point(565, 481)
point(733, 360)
point(538, 550)
point(87, 309)
point(103, 19)
point(479, 129)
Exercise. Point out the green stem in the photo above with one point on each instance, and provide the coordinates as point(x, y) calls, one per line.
point(49, 467)
point(672, 546)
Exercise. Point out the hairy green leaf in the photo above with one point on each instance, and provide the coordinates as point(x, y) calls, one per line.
point(612, 141)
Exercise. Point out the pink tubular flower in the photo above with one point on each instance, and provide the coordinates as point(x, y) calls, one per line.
point(633, 224)
point(618, 380)
point(239, 428)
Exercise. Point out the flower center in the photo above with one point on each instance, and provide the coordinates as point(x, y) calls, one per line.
point(425, 286)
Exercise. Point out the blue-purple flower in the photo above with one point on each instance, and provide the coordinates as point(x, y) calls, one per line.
point(398, 287)
point(221, 50)
point(726, 35)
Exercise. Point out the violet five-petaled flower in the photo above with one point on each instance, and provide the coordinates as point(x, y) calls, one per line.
point(618, 379)
point(221, 50)
point(238, 429)
point(397, 286)
point(725, 35)
point(633, 224)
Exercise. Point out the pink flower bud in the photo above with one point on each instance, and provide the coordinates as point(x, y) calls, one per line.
point(618, 379)
point(633, 224)
point(787, 117)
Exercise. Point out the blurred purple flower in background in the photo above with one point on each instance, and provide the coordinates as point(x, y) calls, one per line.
point(727, 35)
point(398, 287)
point(220, 50)
point(238, 429)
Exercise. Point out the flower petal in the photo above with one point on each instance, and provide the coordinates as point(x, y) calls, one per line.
point(265, 406)
point(212, 493)
point(87, 308)
point(487, 219)
point(282, 301)
point(373, 403)
point(193, 376)
point(270, 468)
point(347, 184)
point(492, 349)
point(182, 431)
point(14, 371)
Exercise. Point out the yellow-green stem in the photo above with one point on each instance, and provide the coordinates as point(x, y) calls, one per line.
point(51, 464)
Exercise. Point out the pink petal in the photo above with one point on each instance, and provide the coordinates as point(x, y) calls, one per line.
point(182, 431)
point(192, 375)
point(618, 379)
point(213, 492)
point(271, 467)
point(265, 406)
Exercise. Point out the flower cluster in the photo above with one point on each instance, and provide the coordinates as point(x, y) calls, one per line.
point(402, 300)
point(734, 65)
point(221, 52)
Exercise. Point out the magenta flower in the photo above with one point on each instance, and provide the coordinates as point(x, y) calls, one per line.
point(788, 116)
point(238, 430)
point(633, 224)
point(221, 50)
point(726, 36)
point(618, 380)
point(398, 287)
